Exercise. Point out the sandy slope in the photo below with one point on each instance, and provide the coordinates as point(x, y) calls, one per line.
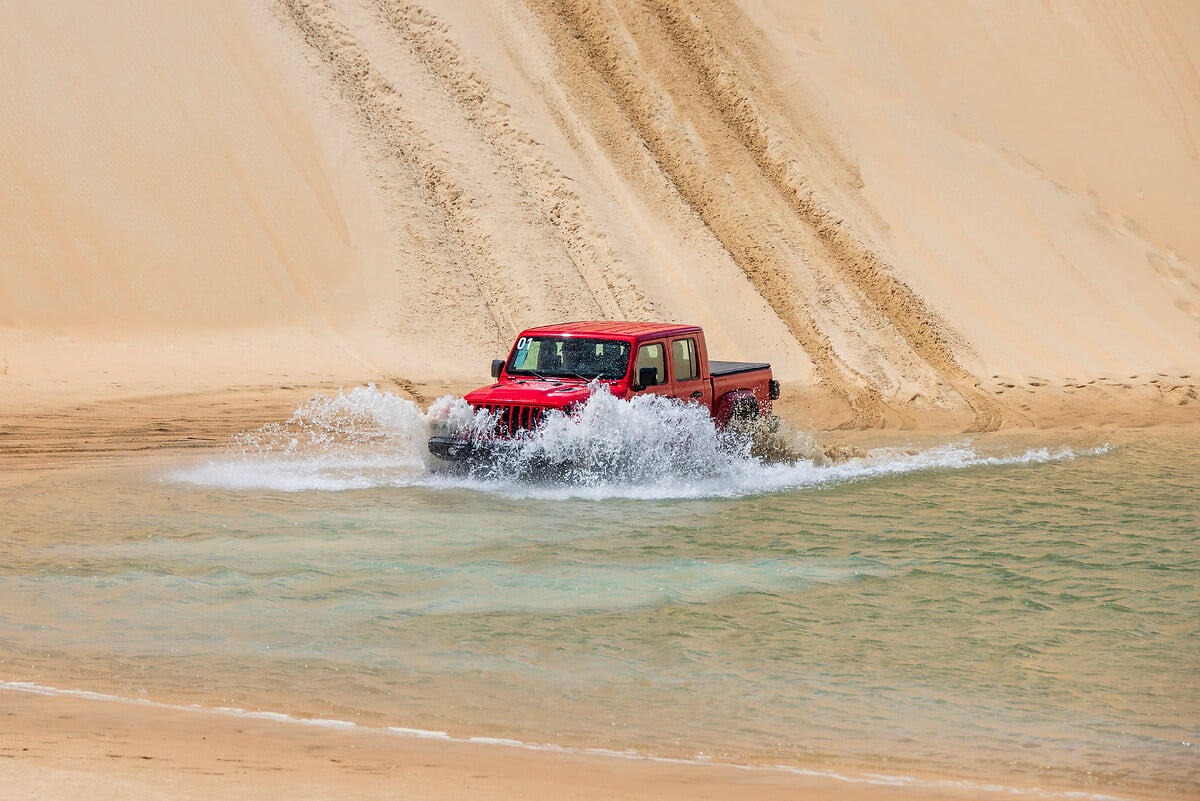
point(904, 208)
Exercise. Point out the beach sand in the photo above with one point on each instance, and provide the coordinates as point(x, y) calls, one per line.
point(930, 216)
point(70, 748)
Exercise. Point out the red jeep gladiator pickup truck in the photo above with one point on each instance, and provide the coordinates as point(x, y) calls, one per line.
point(551, 367)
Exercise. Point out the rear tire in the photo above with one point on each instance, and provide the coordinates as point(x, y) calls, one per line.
point(749, 427)
point(743, 417)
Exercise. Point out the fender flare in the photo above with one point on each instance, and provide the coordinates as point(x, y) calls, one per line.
point(735, 399)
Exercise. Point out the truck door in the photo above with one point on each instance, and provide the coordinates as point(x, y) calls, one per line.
point(685, 373)
point(677, 368)
point(654, 354)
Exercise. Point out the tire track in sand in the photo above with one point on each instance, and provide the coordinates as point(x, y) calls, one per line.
point(583, 25)
point(381, 111)
point(926, 334)
point(612, 286)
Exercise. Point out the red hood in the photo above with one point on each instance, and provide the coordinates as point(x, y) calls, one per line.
point(554, 394)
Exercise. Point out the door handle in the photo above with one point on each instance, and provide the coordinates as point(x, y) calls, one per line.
point(697, 395)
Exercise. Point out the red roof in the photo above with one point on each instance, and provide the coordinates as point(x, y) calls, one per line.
point(611, 328)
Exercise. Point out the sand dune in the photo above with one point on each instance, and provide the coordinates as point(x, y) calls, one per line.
point(910, 210)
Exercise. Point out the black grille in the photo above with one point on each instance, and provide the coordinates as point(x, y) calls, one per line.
point(513, 418)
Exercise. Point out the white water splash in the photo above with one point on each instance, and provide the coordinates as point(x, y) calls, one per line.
point(646, 448)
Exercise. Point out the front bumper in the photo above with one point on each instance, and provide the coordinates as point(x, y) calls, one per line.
point(454, 449)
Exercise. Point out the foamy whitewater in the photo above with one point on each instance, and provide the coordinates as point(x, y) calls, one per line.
point(648, 448)
point(1005, 612)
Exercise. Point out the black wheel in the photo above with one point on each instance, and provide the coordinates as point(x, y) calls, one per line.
point(743, 417)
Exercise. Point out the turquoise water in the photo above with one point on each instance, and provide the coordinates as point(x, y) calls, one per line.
point(1012, 611)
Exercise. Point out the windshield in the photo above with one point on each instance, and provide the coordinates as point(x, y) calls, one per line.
point(570, 357)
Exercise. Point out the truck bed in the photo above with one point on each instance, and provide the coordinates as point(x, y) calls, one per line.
point(732, 368)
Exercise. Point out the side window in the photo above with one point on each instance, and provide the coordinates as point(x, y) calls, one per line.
point(653, 355)
point(683, 360)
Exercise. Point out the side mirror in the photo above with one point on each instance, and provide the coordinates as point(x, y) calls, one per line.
point(497, 367)
point(647, 377)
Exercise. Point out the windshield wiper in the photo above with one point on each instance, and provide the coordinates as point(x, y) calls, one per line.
point(535, 374)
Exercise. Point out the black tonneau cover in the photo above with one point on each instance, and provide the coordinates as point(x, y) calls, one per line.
point(732, 368)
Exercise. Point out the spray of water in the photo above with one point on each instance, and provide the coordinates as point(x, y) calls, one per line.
point(352, 423)
point(610, 442)
point(647, 447)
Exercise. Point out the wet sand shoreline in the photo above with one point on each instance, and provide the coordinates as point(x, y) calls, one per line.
point(100, 748)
